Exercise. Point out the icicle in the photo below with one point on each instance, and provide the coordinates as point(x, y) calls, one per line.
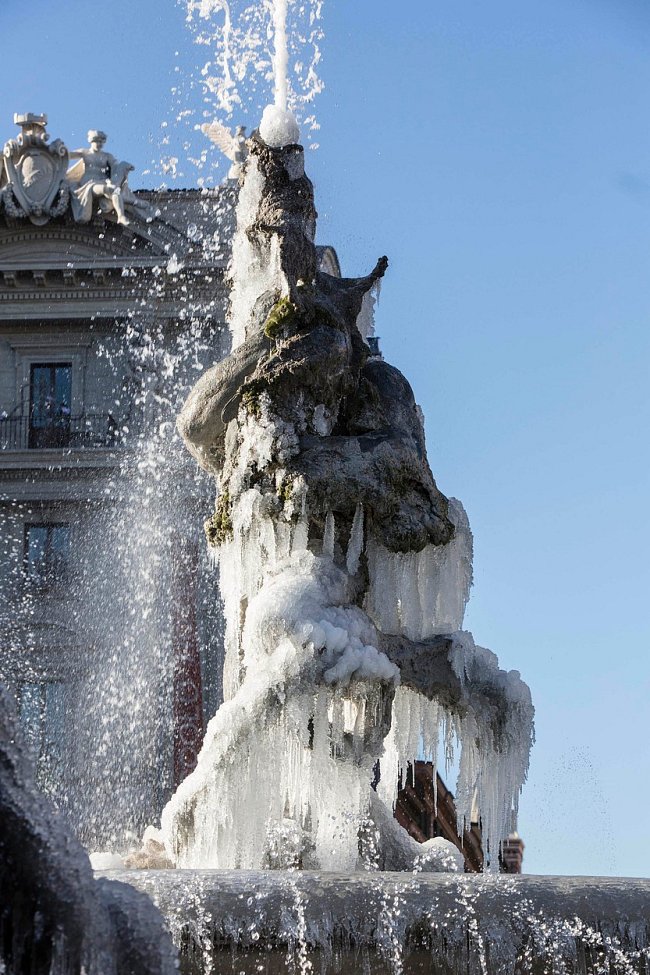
point(425, 593)
point(300, 538)
point(328, 535)
point(355, 545)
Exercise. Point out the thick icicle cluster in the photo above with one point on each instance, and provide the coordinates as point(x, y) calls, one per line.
point(344, 574)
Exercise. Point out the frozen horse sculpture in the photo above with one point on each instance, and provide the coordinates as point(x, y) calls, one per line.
point(344, 574)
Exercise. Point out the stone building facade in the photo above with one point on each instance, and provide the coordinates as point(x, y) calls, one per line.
point(111, 304)
point(104, 325)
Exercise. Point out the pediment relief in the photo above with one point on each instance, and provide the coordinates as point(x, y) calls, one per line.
point(38, 184)
point(107, 245)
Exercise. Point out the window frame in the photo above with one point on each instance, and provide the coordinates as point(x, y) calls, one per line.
point(56, 433)
point(59, 346)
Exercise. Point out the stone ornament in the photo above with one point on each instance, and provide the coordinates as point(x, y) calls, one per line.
point(233, 147)
point(33, 181)
point(36, 184)
point(344, 573)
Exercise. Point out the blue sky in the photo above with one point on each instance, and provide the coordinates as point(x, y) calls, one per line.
point(500, 155)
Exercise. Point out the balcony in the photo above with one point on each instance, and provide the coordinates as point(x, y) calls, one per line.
point(86, 431)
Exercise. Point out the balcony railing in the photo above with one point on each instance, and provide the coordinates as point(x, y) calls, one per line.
point(89, 430)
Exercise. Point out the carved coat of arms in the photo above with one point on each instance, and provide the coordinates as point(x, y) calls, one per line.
point(33, 184)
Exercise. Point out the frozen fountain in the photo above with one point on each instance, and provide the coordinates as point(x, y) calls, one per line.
point(344, 571)
point(344, 574)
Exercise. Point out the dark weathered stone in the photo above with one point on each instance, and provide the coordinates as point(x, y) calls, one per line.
point(286, 209)
point(201, 422)
point(317, 358)
point(426, 667)
point(54, 916)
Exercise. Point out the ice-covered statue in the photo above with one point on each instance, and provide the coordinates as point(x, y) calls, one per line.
point(344, 574)
point(98, 176)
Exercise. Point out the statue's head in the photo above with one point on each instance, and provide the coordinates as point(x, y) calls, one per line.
point(96, 138)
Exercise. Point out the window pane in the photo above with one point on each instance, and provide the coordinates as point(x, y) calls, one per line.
point(59, 550)
point(47, 553)
point(36, 546)
point(62, 387)
point(42, 395)
point(51, 396)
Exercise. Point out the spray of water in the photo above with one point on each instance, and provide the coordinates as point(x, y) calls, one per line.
point(260, 54)
point(281, 53)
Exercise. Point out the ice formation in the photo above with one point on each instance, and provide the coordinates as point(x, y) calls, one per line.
point(344, 574)
point(368, 922)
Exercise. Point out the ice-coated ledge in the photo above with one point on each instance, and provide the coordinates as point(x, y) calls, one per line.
point(425, 922)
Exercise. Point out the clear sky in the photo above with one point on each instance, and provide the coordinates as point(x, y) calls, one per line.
point(500, 155)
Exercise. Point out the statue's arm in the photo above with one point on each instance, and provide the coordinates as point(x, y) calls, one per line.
point(201, 422)
point(431, 667)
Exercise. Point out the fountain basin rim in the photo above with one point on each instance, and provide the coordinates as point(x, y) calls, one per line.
point(350, 900)
point(338, 876)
